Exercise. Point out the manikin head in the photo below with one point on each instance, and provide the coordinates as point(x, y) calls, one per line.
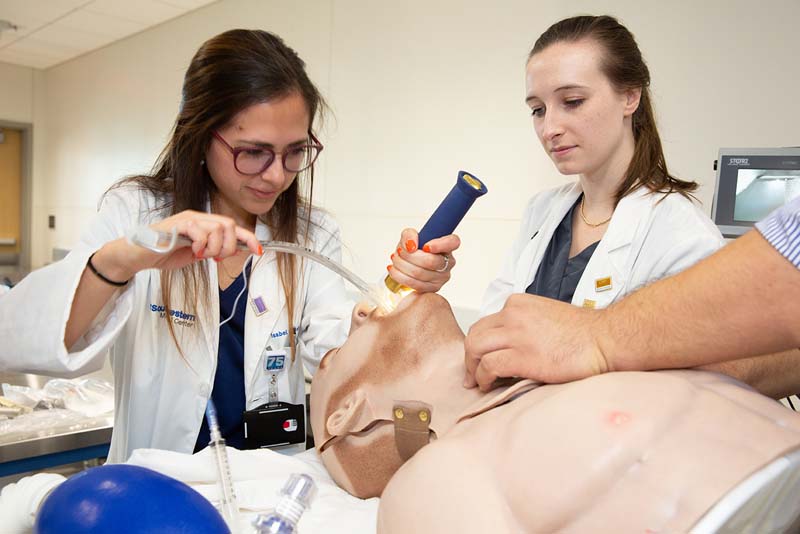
point(416, 353)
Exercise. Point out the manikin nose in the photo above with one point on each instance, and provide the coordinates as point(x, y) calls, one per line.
point(362, 313)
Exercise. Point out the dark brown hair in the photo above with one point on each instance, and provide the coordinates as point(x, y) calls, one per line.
point(625, 68)
point(229, 73)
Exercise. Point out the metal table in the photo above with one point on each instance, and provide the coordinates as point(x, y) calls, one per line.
point(56, 448)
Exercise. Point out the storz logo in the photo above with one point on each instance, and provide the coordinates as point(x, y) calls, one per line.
point(739, 161)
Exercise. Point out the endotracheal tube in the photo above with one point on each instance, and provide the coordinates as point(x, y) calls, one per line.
point(164, 242)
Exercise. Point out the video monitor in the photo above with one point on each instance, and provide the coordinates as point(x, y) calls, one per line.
point(751, 183)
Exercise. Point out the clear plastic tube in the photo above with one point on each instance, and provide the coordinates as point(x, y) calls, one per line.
point(163, 242)
point(227, 505)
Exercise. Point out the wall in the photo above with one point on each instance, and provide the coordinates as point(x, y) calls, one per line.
point(418, 90)
point(16, 93)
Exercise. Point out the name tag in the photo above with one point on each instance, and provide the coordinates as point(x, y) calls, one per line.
point(602, 284)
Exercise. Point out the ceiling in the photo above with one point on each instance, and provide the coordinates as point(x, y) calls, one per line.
point(50, 32)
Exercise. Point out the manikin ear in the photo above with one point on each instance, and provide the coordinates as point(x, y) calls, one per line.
point(353, 415)
point(632, 99)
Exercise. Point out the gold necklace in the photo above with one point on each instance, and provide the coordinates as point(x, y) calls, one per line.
point(593, 225)
point(221, 265)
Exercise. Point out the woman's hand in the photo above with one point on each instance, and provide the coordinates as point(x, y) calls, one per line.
point(212, 236)
point(425, 270)
point(533, 337)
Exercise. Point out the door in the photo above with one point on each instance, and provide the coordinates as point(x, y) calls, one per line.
point(10, 197)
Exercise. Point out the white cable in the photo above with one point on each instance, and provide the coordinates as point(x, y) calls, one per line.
point(236, 302)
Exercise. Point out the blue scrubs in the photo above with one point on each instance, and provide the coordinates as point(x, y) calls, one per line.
point(558, 274)
point(228, 393)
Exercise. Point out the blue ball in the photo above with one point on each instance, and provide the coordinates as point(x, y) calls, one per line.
point(126, 499)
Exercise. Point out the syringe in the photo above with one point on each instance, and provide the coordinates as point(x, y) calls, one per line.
point(227, 504)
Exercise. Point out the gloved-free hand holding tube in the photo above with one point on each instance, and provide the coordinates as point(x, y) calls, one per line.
point(444, 220)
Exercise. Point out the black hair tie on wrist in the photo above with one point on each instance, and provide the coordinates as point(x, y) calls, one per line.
point(101, 277)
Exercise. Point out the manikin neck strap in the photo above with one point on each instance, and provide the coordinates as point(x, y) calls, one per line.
point(412, 420)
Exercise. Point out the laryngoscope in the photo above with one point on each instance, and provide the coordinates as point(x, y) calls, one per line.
point(443, 222)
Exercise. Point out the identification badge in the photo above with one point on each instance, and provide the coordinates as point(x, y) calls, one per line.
point(274, 361)
point(274, 365)
point(602, 284)
point(274, 425)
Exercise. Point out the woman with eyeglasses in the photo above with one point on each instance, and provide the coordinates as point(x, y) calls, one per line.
point(210, 320)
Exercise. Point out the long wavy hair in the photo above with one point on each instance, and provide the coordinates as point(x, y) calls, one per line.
point(626, 69)
point(229, 73)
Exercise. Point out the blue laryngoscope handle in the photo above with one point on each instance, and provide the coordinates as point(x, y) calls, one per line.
point(452, 209)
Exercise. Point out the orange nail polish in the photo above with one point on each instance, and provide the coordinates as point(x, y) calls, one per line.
point(399, 250)
point(260, 250)
point(217, 260)
point(388, 267)
point(391, 257)
point(199, 255)
point(426, 248)
point(411, 246)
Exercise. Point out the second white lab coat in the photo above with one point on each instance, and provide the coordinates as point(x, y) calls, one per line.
point(650, 236)
point(161, 395)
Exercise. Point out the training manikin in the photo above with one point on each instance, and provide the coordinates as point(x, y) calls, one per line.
point(617, 452)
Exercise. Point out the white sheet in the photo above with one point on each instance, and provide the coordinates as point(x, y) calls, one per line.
point(258, 478)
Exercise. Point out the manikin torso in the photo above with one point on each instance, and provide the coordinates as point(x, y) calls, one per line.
point(632, 452)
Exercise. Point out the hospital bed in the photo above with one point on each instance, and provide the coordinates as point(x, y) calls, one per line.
point(764, 502)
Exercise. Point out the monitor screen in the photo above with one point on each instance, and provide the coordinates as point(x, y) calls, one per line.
point(760, 191)
point(751, 183)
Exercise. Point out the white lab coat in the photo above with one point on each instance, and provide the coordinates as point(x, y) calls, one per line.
point(160, 396)
point(650, 236)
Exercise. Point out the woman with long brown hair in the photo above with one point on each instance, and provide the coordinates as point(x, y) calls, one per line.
point(625, 222)
point(206, 321)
